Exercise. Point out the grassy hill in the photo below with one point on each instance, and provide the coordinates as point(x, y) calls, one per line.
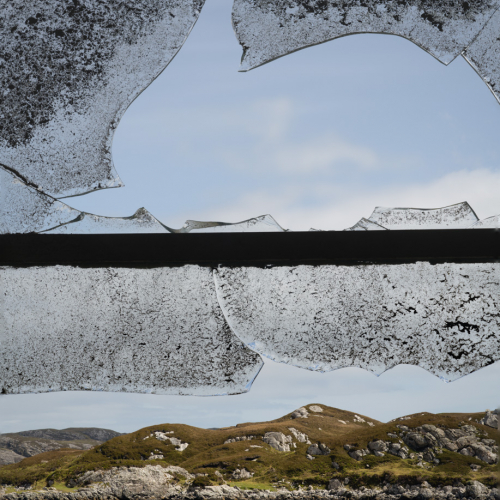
point(215, 456)
point(16, 446)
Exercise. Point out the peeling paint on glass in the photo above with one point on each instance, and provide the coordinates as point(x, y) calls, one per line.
point(459, 216)
point(484, 55)
point(24, 209)
point(68, 72)
point(488, 223)
point(155, 330)
point(443, 318)
point(269, 30)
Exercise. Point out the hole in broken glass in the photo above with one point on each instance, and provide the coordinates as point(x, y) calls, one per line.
point(434, 31)
point(224, 310)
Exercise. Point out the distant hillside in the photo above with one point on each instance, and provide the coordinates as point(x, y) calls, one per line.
point(17, 446)
point(313, 446)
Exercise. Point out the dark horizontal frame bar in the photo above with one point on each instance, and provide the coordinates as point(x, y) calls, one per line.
point(251, 249)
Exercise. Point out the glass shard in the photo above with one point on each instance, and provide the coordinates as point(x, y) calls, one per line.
point(459, 216)
point(484, 55)
point(157, 330)
point(268, 30)
point(489, 223)
point(366, 225)
point(442, 317)
point(69, 72)
point(141, 222)
point(261, 224)
point(24, 209)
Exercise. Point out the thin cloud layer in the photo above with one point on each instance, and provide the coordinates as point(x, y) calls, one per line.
point(338, 206)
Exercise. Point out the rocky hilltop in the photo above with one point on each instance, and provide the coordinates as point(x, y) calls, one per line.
point(314, 452)
point(17, 446)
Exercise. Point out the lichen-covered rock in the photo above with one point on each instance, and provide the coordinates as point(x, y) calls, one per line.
point(490, 419)
point(334, 484)
point(242, 474)
point(318, 449)
point(239, 438)
point(378, 445)
point(335, 490)
point(475, 489)
point(315, 408)
point(127, 481)
point(301, 437)
point(300, 413)
point(466, 441)
point(278, 440)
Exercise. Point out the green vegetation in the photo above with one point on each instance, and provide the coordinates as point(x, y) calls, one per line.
point(208, 453)
point(251, 485)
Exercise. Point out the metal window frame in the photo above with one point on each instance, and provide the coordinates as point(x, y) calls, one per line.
point(251, 249)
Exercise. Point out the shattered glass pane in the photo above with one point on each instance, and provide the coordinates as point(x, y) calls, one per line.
point(141, 222)
point(366, 225)
point(69, 72)
point(459, 216)
point(262, 224)
point(23, 209)
point(484, 55)
point(489, 223)
point(268, 30)
point(157, 330)
point(442, 317)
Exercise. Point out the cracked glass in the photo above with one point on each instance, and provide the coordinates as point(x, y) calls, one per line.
point(68, 72)
point(157, 330)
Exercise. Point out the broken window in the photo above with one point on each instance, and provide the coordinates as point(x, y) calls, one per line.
point(157, 330)
point(69, 72)
point(193, 324)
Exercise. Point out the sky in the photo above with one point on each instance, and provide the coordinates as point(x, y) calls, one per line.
point(316, 139)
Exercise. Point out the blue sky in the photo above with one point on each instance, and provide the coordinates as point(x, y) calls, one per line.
point(278, 390)
point(317, 139)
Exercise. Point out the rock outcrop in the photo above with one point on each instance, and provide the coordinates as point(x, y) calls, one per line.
point(239, 438)
point(162, 436)
point(429, 441)
point(14, 447)
point(318, 449)
point(336, 490)
point(315, 408)
point(300, 413)
point(278, 440)
point(467, 440)
point(242, 474)
point(301, 437)
point(490, 419)
point(9, 457)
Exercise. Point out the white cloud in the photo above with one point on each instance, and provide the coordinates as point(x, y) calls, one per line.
point(340, 206)
point(275, 142)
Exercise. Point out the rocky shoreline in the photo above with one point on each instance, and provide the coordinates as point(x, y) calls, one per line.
point(472, 490)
